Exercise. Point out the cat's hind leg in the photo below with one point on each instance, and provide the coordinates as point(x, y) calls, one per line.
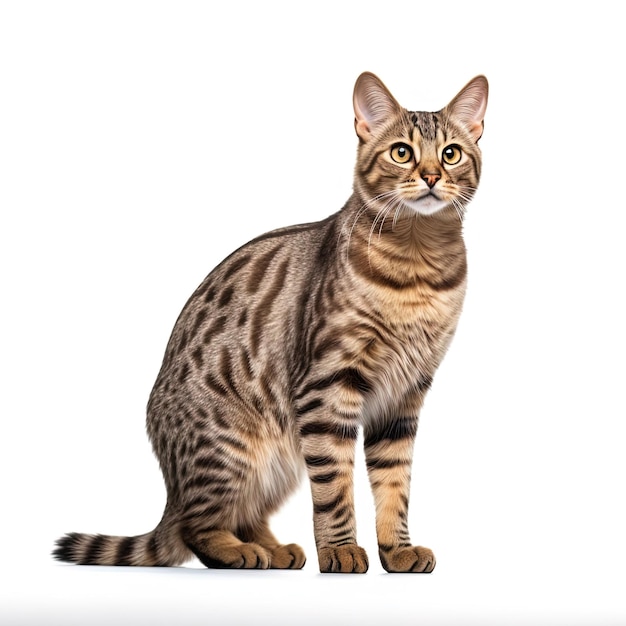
point(221, 549)
point(283, 556)
point(237, 480)
point(232, 532)
point(258, 549)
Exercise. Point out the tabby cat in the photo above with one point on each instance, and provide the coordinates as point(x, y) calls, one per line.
point(301, 337)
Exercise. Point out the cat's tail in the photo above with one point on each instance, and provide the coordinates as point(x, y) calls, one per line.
point(161, 547)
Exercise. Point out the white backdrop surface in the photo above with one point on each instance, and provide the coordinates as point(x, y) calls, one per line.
point(141, 142)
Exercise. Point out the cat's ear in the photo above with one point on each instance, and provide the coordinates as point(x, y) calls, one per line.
point(373, 104)
point(469, 105)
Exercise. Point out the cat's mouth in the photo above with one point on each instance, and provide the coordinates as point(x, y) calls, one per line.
point(426, 204)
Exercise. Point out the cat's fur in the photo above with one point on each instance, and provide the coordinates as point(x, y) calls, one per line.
point(301, 337)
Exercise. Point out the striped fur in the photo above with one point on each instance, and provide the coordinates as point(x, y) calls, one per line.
point(302, 337)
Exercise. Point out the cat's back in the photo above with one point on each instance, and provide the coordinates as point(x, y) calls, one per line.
point(241, 319)
point(260, 282)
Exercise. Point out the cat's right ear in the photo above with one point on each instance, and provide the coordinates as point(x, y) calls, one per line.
point(373, 104)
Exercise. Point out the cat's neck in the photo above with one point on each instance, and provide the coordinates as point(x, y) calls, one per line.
point(404, 250)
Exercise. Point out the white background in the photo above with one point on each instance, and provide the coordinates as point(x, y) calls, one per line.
point(141, 142)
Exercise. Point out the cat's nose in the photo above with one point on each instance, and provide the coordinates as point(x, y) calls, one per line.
point(431, 178)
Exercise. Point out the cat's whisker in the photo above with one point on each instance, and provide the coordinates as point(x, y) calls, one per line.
point(397, 213)
point(465, 192)
point(381, 215)
point(356, 219)
point(463, 198)
point(384, 216)
point(389, 197)
point(387, 209)
point(459, 209)
point(397, 207)
point(362, 210)
point(371, 234)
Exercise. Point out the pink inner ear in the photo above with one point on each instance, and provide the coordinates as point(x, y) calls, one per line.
point(373, 104)
point(471, 104)
point(362, 128)
point(476, 130)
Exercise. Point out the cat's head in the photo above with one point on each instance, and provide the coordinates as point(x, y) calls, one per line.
point(413, 161)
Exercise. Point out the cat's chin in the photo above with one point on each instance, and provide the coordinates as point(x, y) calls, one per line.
point(427, 205)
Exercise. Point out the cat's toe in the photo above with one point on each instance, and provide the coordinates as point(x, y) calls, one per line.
point(243, 556)
point(413, 559)
point(255, 556)
point(290, 556)
point(348, 559)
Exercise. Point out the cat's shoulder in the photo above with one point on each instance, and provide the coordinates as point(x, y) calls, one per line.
point(297, 241)
point(296, 232)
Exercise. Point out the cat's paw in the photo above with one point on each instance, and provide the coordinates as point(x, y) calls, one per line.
point(407, 559)
point(242, 556)
point(348, 559)
point(290, 556)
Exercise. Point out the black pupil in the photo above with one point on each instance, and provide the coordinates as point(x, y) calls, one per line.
point(450, 153)
point(401, 152)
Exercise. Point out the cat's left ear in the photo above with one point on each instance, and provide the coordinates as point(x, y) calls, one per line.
point(373, 104)
point(470, 104)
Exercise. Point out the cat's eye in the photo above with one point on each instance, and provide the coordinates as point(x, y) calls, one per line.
point(451, 154)
point(401, 153)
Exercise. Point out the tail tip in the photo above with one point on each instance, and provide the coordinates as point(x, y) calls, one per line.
point(65, 548)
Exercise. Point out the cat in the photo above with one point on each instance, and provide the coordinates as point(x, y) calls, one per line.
point(303, 336)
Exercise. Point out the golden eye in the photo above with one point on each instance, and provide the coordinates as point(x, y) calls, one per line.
point(401, 153)
point(452, 154)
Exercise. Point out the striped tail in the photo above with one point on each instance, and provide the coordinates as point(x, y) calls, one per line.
point(149, 550)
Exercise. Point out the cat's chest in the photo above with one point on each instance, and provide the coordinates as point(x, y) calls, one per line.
point(402, 352)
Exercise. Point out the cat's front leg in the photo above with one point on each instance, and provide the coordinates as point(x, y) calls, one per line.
point(327, 441)
point(389, 454)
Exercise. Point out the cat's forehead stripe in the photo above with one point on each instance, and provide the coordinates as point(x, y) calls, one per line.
point(426, 123)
